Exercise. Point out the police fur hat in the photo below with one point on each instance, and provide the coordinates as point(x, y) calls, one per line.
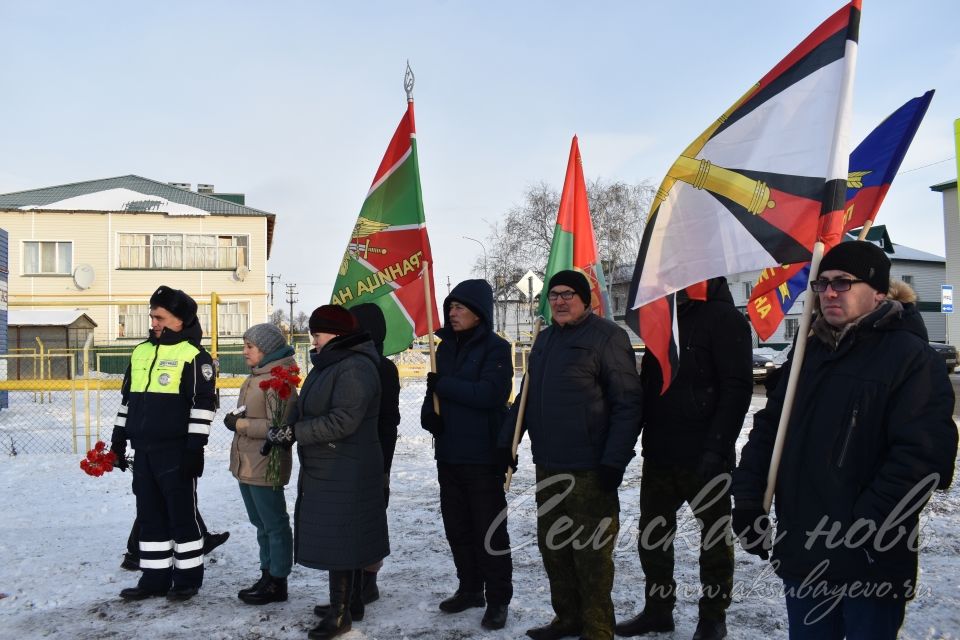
point(573, 279)
point(176, 302)
point(332, 318)
point(861, 259)
point(266, 337)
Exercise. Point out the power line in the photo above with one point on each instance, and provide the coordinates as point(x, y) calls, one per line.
point(291, 298)
point(927, 165)
point(273, 279)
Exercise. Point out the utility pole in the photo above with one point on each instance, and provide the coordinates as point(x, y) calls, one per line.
point(448, 285)
point(291, 298)
point(273, 279)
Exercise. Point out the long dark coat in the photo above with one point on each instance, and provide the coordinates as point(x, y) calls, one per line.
point(340, 518)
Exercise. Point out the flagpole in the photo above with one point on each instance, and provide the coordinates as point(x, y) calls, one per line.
point(863, 231)
point(798, 352)
point(428, 299)
point(522, 408)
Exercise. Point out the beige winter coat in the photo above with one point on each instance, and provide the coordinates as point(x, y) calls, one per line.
point(246, 463)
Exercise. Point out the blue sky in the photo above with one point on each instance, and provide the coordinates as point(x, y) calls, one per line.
point(293, 103)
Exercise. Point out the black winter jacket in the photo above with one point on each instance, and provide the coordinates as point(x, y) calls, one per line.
point(703, 408)
point(584, 404)
point(872, 420)
point(476, 377)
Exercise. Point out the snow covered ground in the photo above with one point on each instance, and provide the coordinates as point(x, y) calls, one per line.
point(62, 534)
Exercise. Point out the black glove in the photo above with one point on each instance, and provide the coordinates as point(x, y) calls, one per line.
point(119, 449)
point(432, 379)
point(432, 423)
point(752, 527)
point(191, 464)
point(281, 436)
point(609, 478)
point(711, 465)
point(230, 420)
point(506, 460)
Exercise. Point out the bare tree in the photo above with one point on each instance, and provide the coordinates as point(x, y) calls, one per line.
point(301, 322)
point(278, 318)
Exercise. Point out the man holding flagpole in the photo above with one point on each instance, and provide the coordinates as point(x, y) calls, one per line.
point(871, 436)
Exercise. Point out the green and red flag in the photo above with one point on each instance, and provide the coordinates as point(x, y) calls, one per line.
point(388, 248)
point(574, 246)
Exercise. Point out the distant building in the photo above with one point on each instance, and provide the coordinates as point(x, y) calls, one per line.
point(951, 235)
point(103, 246)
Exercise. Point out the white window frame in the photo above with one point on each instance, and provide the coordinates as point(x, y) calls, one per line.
point(184, 257)
point(57, 269)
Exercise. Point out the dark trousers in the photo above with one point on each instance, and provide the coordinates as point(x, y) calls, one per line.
point(474, 510)
point(663, 490)
point(832, 617)
point(577, 526)
point(133, 540)
point(171, 542)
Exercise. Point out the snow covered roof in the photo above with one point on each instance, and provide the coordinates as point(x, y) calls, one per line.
point(45, 317)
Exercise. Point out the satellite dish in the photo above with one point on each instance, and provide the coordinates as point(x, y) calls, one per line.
point(83, 276)
point(241, 273)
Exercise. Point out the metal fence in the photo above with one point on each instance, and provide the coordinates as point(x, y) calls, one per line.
point(70, 398)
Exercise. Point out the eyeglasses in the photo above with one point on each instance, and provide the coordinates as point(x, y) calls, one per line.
point(839, 285)
point(566, 295)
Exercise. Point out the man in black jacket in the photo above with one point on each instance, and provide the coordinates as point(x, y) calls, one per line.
point(473, 381)
point(167, 403)
point(689, 434)
point(583, 415)
point(870, 437)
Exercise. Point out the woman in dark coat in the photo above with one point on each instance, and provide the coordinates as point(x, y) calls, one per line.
point(340, 520)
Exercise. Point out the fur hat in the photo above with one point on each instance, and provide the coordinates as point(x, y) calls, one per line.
point(176, 302)
point(266, 337)
point(575, 280)
point(332, 318)
point(864, 260)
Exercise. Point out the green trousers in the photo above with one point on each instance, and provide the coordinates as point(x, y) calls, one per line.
point(577, 526)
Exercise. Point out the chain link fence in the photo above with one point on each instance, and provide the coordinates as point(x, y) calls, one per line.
point(65, 401)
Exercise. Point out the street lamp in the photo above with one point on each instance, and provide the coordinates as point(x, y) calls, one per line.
point(482, 246)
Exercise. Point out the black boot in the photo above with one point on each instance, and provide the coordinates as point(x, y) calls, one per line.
point(213, 540)
point(337, 619)
point(274, 590)
point(554, 631)
point(708, 629)
point(264, 578)
point(462, 600)
point(370, 591)
point(647, 621)
point(356, 596)
point(136, 593)
point(495, 617)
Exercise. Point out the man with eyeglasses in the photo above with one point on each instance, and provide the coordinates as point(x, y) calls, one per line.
point(583, 415)
point(870, 437)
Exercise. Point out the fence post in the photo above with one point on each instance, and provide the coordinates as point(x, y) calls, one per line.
point(86, 385)
point(40, 344)
point(73, 402)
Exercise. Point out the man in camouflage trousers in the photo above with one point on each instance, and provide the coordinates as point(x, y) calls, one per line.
point(583, 415)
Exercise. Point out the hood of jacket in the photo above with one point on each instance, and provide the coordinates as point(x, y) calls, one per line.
point(475, 294)
point(717, 291)
point(370, 317)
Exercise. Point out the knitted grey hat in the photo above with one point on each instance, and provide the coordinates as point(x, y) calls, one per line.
point(266, 337)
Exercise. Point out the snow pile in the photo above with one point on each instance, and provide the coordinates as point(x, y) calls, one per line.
point(63, 533)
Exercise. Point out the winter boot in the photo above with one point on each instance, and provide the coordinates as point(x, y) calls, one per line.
point(370, 591)
point(275, 590)
point(462, 600)
point(213, 540)
point(337, 619)
point(708, 629)
point(647, 621)
point(264, 578)
point(356, 596)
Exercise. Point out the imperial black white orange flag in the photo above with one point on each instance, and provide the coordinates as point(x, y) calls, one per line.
point(749, 192)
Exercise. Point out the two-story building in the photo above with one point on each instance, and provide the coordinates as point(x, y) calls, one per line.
point(103, 246)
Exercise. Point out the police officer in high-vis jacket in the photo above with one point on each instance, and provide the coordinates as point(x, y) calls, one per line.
point(168, 402)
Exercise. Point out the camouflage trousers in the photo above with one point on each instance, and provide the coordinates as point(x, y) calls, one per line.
point(577, 526)
point(663, 490)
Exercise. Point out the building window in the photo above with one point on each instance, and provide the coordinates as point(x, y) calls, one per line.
point(134, 319)
point(747, 290)
point(47, 257)
point(790, 327)
point(907, 280)
point(175, 251)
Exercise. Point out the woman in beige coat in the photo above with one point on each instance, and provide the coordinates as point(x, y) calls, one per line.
point(264, 348)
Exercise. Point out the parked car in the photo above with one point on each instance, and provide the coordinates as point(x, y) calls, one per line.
point(762, 367)
point(949, 353)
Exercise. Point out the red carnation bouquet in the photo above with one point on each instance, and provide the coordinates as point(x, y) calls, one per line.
point(277, 390)
point(100, 460)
